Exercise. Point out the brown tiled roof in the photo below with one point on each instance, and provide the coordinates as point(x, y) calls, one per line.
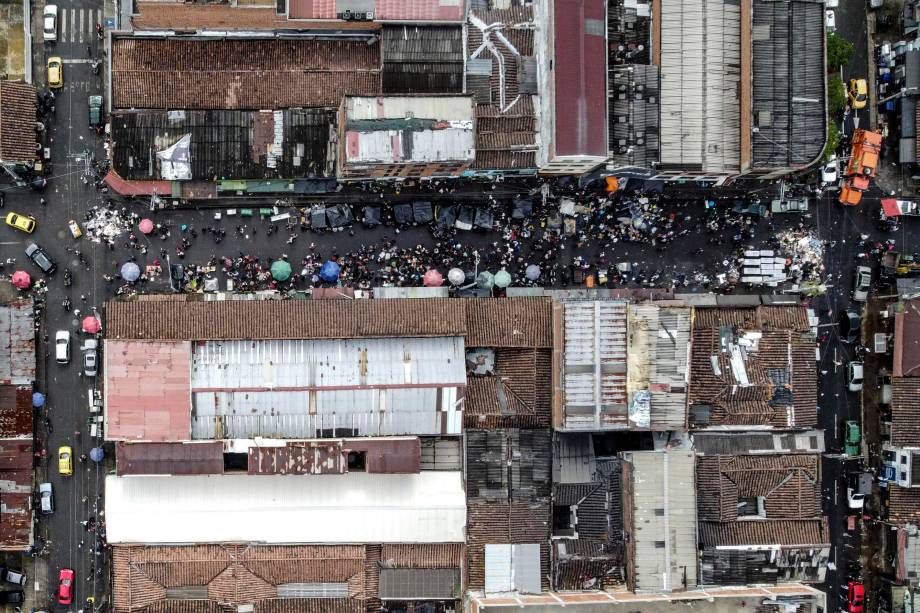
point(903, 505)
point(171, 73)
point(180, 16)
point(16, 510)
point(905, 411)
point(15, 411)
point(17, 121)
point(757, 318)
point(507, 322)
point(236, 573)
point(503, 523)
point(789, 484)
point(518, 395)
point(906, 359)
point(781, 372)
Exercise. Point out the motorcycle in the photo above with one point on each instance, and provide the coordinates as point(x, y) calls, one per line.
point(95, 66)
point(68, 279)
point(67, 304)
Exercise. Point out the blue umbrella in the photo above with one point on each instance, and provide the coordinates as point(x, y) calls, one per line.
point(96, 454)
point(38, 400)
point(130, 272)
point(329, 272)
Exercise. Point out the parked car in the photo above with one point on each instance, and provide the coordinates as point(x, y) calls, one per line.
point(62, 346)
point(855, 376)
point(65, 586)
point(11, 596)
point(55, 72)
point(851, 438)
point(95, 111)
point(65, 460)
point(830, 21)
point(858, 93)
point(26, 223)
point(829, 171)
point(856, 596)
point(90, 355)
point(46, 498)
point(40, 259)
point(50, 21)
point(861, 283)
point(850, 324)
point(75, 230)
point(855, 501)
point(16, 577)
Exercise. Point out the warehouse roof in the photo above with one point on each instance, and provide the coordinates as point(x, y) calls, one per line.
point(18, 105)
point(224, 144)
point(428, 507)
point(507, 322)
point(240, 73)
point(783, 493)
point(204, 458)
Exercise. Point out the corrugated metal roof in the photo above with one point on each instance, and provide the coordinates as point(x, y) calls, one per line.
point(664, 480)
point(422, 59)
point(204, 458)
point(580, 37)
point(17, 343)
point(594, 364)
point(428, 507)
point(573, 458)
point(15, 411)
point(700, 75)
point(298, 388)
point(16, 494)
point(146, 390)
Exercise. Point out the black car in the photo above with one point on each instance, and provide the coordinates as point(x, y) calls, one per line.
point(850, 324)
point(40, 258)
point(11, 596)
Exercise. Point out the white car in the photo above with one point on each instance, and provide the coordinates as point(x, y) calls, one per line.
point(830, 21)
point(855, 376)
point(831, 4)
point(50, 21)
point(854, 500)
point(90, 357)
point(47, 498)
point(62, 346)
point(861, 283)
point(829, 171)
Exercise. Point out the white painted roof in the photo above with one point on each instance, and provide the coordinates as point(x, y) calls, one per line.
point(429, 507)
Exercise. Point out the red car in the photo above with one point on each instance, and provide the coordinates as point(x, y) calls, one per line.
point(65, 586)
point(856, 596)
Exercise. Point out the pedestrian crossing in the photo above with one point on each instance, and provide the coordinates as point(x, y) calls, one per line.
point(78, 25)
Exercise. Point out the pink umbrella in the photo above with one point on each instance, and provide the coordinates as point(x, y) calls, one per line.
point(91, 324)
point(145, 226)
point(21, 279)
point(433, 278)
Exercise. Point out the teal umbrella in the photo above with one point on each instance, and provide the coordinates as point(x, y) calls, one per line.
point(502, 279)
point(281, 270)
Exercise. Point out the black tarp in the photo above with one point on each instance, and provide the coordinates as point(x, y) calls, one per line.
point(521, 208)
point(318, 219)
point(447, 215)
point(402, 213)
point(371, 216)
point(465, 218)
point(483, 219)
point(422, 212)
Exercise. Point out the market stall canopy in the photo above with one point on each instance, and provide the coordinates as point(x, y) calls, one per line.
point(532, 272)
point(893, 207)
point(38, 400)
point(145, 226)
point(281, 270)
point(91, 324)
point(96, 454)
point(456, 276)
point(329, 272)
point(502, 279)
point(433, 278)
point(130, 272)
point(485, 280)
point(21, 279)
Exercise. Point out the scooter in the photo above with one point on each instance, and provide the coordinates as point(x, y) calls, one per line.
point(68, 279)
point(67, 304)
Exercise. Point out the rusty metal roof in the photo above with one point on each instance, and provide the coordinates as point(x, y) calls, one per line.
point(16, 494)
point(205, 458)
point(147, 390)
point(17, 343)
point(15, 411)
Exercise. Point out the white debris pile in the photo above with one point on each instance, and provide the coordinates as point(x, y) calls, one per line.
point(106, 225)
point(805, 252)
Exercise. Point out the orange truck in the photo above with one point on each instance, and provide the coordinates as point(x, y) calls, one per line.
point(863, 166)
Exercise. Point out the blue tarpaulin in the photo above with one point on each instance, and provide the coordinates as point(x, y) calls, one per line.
point(329, 272)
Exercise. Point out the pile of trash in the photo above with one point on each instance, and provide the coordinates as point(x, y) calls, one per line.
point(805, 253)
point(106, 225)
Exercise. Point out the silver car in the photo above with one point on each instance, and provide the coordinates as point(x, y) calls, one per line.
point(46, 498)
point(90, 357)
point(861, 283)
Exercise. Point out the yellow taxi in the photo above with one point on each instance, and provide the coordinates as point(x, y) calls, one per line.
point(65, 461)
point(20, 222)
point(858, 94)
point(55, 72)
point(75, 229)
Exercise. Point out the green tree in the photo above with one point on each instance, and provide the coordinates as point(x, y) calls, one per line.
point(833, 140)
point(836, 95)
point(839, 51)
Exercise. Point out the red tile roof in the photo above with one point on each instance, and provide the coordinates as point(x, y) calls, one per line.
point(17, 121)
point(581, 77)
point(16, 508)
point(905, 411)
point(172, 73)
point(147, 390)
point(906, 361)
